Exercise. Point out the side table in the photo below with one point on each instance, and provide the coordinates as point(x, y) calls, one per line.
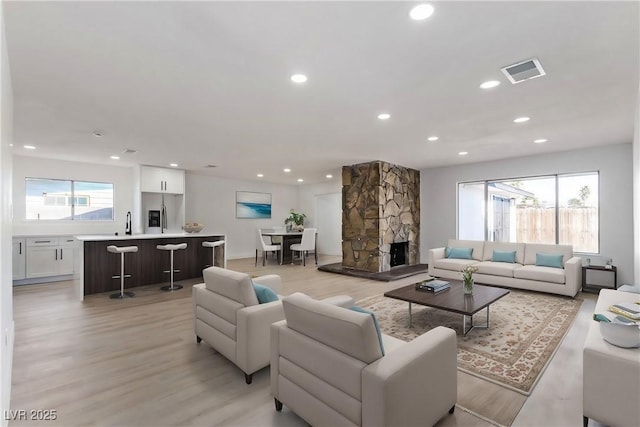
point(600, 279)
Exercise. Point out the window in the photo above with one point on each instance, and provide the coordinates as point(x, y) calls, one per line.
point(546, 209)
point(54, 199)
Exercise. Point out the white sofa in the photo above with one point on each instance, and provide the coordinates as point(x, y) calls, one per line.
point(327, 366)
point(611, 375)
point(523, 274)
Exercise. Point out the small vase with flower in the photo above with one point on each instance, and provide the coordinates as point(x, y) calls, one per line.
point(467, 279)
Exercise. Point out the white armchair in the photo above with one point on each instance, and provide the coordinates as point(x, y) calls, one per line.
point(327, 366)
point(230, 319)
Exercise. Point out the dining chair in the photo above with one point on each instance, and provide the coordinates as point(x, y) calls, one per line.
point(307, 244)
point(262, 246)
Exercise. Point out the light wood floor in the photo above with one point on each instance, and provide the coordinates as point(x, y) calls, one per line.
point(136, 363)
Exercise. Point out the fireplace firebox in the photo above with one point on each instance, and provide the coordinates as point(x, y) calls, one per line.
point(398, 254)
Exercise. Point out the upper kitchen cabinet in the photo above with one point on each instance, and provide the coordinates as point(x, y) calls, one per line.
point(161, 180)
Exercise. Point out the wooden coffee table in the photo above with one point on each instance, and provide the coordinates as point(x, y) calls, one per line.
point(453, 300)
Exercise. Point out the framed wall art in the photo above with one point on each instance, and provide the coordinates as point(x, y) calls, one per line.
point(253, 205)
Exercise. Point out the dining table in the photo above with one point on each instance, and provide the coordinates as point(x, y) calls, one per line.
point(288, 238)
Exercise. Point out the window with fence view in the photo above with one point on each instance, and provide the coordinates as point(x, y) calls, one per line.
point(545, 209)
point(57, 199)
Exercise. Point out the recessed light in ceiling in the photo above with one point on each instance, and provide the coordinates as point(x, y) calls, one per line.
point(173, 165)
point(329, 176)
point(115, 157)
point(298, 78)
point(432, 138)
point(489, 84)
point(300, 180)
point(260, 175)
point(540, 141)
point(29, 147)
point(10, 145)
point(286, 170)
point(384, 116)
point(521, 120)
point(421, 11)
point(463, 153)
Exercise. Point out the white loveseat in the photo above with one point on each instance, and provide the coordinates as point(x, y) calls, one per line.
point(522, 274)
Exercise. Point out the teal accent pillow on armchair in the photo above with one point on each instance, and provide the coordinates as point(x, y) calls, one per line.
point(264, 293)
point(375, 322)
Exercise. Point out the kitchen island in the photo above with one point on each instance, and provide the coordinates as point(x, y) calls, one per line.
point(94, 266)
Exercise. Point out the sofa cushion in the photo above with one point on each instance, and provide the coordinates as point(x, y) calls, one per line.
point(231, 284)
point(505, 269)
point(532, 249)
point(344, 330)
point(542, 274)
point(453, 263)
point(549, 260)
point(375, 322)
point(459, 253)
point(490, 247)
point(504, 256)
point(476, 245)
point(264, 293)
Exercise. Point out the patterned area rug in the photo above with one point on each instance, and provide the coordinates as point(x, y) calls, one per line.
point(526, 328)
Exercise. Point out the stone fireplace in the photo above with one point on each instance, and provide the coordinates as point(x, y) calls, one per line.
point(380, 210)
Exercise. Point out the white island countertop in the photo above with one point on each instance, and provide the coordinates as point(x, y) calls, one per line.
point(102, 237)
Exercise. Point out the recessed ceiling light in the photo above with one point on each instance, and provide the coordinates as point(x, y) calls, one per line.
point(97, 134)
point(298, 78)
point(260, 175)
point(463, 153)
point(115, 157)
point(540, 141)
point(10, 145)
point(489, 84)
point(421, 11)
point(432, 138)
point(286, 170)
point(300, 180)
point(521, 120)
point(29, 147)
point(329, 176)
point(384, 116)
point(173, 165)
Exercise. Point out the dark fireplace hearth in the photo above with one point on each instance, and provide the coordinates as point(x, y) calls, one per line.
point(398, 254)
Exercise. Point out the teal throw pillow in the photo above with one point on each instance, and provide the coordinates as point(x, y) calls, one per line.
point(549, 260)
point(447, 252)
point(375, 322)
point(264, 293)
point(460, 253)
point(504, 256)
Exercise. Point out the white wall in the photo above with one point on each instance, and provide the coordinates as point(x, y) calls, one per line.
point(212, 201)
point(438, 196)
point(308, 197)
point(121, 177)
point(6, 290)
point(636, 194)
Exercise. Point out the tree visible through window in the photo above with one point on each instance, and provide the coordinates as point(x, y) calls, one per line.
point(53, 199)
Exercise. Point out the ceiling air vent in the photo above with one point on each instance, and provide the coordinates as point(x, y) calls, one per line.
point(129, 151)
point(525, 70)
point(210, 166)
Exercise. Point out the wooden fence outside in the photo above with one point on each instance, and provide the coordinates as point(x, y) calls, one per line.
point(578, 226)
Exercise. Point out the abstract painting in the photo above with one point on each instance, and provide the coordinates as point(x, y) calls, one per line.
point(253, 205)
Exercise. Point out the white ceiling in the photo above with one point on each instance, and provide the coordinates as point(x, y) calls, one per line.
point(203, 83)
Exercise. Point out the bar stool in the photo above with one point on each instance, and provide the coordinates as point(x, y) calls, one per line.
point(214, 245)
point(171, 248)
point(122, 250)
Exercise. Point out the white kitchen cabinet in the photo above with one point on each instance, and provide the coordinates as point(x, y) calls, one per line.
point(161, 180)
point(19, 258)
point(49, 256)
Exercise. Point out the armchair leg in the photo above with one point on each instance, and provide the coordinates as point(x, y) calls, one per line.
point(198, 339)
point(278, 404)
point(256, 263)
point(585, 421)
point(248, 378)
point(453, 408)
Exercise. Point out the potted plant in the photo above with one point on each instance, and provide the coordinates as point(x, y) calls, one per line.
point(295, 221)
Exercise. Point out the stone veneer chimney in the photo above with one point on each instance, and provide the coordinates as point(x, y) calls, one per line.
point(380, 206)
